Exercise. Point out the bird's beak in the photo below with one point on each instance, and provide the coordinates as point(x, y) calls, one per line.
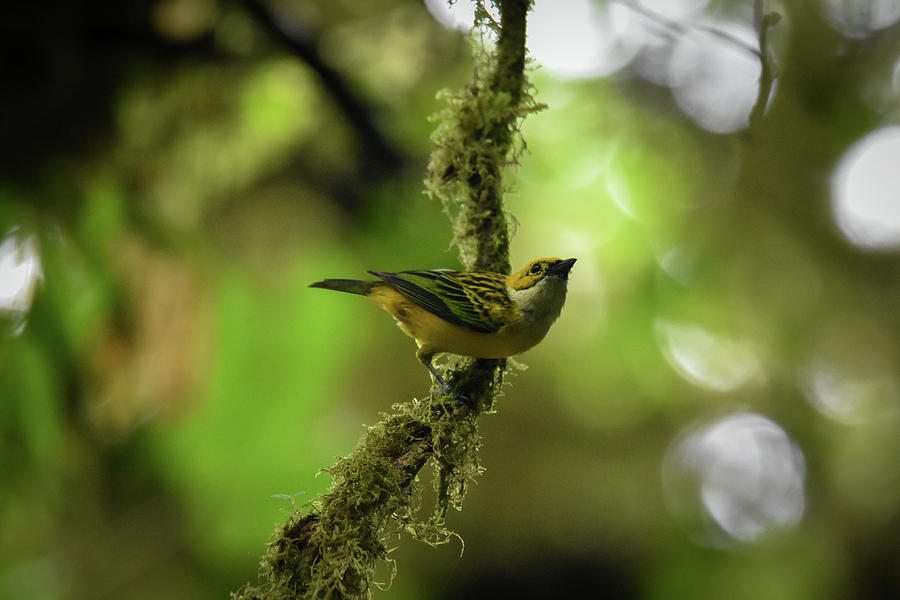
point(562, 268)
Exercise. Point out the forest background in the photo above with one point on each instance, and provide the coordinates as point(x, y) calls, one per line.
point(715, 413)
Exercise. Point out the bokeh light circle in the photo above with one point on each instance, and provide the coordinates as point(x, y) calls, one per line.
point(459, 15)
point(716, 81)
point(579, 38)
point(21, 271)
point(741, 476)
point(864, 186)
point(706, 359)
point(860, 18)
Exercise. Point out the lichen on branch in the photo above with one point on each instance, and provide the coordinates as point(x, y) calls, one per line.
point(331, 547)
point(477, 137)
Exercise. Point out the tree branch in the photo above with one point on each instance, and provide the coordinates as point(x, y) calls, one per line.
point(768, 71)
point(331, 549)
point(682, 29)
point(376, 146)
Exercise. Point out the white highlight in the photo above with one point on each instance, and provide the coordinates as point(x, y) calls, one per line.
point(844, 396)
point(460, 15)
point(859, 18)
point(744, 470)
point(865, 201)
point(716, 82)
point(705, 359)
point(580, 38)
point(20, 272)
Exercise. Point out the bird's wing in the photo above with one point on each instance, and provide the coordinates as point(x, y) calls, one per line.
point(478, 301)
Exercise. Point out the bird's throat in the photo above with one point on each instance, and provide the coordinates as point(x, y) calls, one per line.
point(540, 304)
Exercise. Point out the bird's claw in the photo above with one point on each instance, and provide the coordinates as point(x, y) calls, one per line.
point(459, 399)
point(446, 390)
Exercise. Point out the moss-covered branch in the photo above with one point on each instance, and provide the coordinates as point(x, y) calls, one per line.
point(476, 138)
point(331, 549)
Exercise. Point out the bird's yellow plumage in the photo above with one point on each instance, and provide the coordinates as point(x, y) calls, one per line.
point(478, 314)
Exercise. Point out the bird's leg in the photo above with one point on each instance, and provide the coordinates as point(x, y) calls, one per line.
point(425, 355)
point(460, 399)
point(445, 387)
point(425, 358)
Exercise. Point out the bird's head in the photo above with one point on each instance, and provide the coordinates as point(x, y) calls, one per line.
point(539, 270)
point(539, 291)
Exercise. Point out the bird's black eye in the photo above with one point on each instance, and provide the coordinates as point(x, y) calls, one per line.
point(535, 268)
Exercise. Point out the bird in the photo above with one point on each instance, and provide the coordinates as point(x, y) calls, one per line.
point(480, 314)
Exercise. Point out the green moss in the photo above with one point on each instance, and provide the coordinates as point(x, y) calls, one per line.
point(330, 549)
point(477, 136)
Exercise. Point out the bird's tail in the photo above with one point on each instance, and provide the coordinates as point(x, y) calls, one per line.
point(351, 286)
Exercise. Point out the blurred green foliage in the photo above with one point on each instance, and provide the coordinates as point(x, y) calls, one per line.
point(185, 177)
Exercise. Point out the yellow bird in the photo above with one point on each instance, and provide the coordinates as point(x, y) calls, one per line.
point(472, 313)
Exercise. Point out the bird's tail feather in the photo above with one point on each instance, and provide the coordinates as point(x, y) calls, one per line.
point(351, 286)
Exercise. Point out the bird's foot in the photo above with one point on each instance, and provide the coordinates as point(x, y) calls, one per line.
point(446, 390)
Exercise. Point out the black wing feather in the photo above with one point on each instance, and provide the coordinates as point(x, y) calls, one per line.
point(430, 301)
